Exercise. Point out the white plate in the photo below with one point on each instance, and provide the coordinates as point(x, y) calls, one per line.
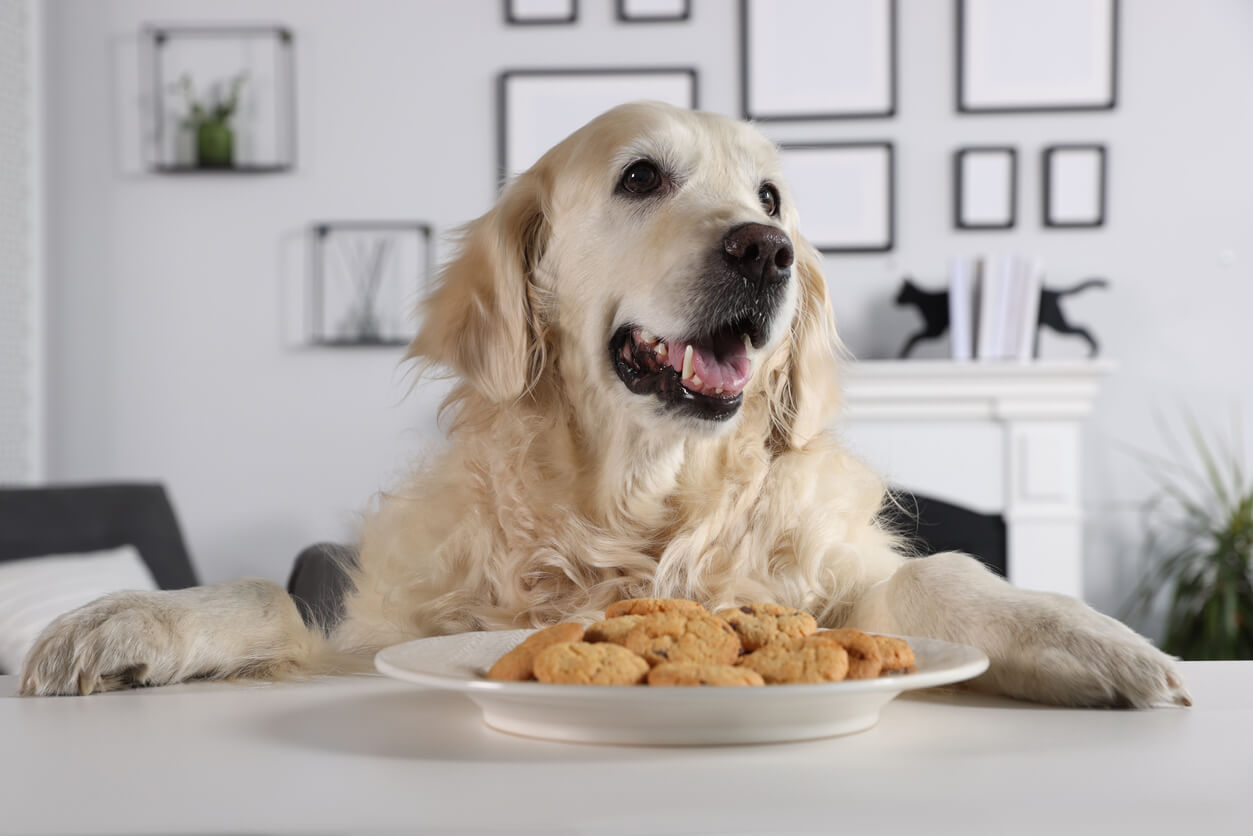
point(668, 716)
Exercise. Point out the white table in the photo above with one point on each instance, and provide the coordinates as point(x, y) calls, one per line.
point(373, 755)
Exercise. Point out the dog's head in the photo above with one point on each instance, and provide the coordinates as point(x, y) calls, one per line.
point(651, 265)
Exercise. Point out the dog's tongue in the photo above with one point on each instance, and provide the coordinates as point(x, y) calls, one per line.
point(720, 363)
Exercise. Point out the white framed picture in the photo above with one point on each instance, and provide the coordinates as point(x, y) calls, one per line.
point(541, 12)
point(539, 108)
point(844, 192)
point(818, 59)
point(1036, 55)
point(1074, 185)
point(653, 11)
point(985, 187)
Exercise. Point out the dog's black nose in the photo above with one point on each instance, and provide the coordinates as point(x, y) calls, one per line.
point(760, 253)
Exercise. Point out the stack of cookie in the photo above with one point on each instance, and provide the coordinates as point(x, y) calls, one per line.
point(675, 642)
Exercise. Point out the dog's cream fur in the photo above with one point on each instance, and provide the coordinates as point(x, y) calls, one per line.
point(561, 491)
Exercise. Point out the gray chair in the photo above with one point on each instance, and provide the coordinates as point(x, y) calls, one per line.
point(71, 519)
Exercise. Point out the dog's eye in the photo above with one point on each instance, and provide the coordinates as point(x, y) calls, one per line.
point(769, 197)
point(641, 178)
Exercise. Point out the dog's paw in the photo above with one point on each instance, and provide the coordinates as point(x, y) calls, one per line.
point(119, 641)
point(1070, 654)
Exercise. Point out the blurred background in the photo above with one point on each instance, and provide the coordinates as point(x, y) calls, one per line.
point(211, 213)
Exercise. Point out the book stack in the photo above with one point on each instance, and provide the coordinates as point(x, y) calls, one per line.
point(994, 304)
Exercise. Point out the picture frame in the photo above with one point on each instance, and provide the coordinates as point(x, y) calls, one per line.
point(845, 193)
point(1074, 185)
point(541, 12)
point(985, 187)
point(1036, 56)
point(653, 11)
point(537, 108)
point(365, 281)
point(195, 68)
point(845, 53)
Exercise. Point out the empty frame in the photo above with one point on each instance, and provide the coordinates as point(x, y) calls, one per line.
point(541, 12)
point(1036, 55)
point(985, 188)
point(1074, 185)
point(844, 194)
point(539, 108)
point(818, 59)
point(653, 11)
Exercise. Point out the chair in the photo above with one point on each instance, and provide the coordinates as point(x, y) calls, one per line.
point(87, 518)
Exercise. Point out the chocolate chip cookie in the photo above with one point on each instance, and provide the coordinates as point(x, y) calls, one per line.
point(581, 663)
point(518, 664)
point(786, 663)
point(684, 636)
point(760, 624)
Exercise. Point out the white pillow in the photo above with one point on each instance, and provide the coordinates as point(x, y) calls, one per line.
point(35, 590)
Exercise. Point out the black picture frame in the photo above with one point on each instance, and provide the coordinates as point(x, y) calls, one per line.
point(746, 71)
point(959, 186)
point(154, 40)
point(962, 73)
point(889, 192)
point(623, 16)
point(503, 80)
point(1048, 163)
point(513, 19)
point(319, 232)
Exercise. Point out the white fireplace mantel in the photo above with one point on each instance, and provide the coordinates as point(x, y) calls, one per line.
point(997, 437)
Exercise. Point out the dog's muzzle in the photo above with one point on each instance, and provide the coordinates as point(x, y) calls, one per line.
point(735, 304)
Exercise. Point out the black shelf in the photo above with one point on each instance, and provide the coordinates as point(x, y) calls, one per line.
point(262, 131)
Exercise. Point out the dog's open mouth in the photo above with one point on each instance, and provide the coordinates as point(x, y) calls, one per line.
point(704, 376)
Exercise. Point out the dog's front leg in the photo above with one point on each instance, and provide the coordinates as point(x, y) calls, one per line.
point(240, 628)
point(1043, 646)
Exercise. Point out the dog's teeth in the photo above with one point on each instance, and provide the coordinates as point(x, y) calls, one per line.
point(661, 349)
point(647, 338)
point(718, 391)
point(696, 381)
point(687, 363)
point(748, 344)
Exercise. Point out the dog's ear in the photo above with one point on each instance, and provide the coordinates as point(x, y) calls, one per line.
point(805, 394)
point(481, 319)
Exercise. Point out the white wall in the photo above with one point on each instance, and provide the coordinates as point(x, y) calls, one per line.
point(20, 459)
point(167, 296)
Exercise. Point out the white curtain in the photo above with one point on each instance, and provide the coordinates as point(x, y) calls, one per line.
point(18, 461)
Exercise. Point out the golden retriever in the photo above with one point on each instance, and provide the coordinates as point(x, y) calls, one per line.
point(646, 369)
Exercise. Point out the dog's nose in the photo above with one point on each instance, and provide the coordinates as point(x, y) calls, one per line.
point(760, 253)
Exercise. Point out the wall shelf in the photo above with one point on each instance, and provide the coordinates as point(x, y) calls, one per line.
point(204, 62)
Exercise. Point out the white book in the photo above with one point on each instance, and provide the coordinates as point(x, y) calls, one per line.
point(1015, 294)
point(961, 307)
point(994, 308)
point(1033, 286)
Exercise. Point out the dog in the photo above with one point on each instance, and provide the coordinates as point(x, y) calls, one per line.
point(646, 371)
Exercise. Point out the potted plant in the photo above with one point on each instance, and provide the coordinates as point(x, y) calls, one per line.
point(209, 120)
point(1200, 549)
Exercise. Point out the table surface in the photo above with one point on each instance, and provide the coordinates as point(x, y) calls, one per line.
point(371, 755)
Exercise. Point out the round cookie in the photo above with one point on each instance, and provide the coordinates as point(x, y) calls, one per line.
point(784, 662)
point(612, 629)
point(581, 663)
point(690, 673)
point(760, 624)
point(684, 637)
point(649, 606)
point(864, 658)
point(897, 654)
point(517, 664)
